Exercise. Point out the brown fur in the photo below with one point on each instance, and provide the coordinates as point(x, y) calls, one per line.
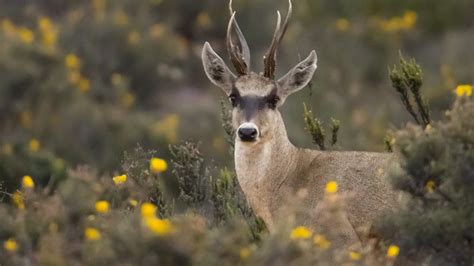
point(271, 172)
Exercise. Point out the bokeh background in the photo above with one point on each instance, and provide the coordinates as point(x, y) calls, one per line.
point(83, 81)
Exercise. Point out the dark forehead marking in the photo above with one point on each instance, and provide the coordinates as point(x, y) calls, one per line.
point(250, 104)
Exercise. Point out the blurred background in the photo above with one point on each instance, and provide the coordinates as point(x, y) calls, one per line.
point(83, 81)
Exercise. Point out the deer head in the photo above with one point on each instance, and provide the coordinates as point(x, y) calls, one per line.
point(255, 97)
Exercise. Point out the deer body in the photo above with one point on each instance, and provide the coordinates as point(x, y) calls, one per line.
point(270, 174)
point(270, 170)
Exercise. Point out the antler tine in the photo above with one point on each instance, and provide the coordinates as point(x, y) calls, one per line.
point(239, 54)
point(270, 57)
point(234, 53)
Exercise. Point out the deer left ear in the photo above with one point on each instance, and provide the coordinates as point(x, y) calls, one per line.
point(216, 70)
point(298, 77)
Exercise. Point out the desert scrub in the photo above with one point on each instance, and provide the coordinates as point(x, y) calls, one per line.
point(438, 174)
point(134, 217)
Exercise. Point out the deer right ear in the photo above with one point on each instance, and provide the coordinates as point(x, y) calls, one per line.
point(216, 70)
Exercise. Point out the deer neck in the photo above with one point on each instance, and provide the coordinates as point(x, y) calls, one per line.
point(261, 167)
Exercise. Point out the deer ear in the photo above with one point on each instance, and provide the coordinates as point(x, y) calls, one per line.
point(216, 70)
point(298, 77)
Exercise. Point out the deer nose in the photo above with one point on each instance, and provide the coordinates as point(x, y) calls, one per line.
point(248, 132)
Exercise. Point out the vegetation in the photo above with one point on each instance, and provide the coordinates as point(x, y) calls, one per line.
point(82, 82)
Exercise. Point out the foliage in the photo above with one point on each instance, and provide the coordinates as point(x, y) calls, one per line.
point(437, 165)
point(408, 77)
point(315, 127)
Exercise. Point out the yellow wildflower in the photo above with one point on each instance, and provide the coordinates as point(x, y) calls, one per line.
point(158, 165)
point(58, 164)
point(27, 182)
point(17, 199)
point(92, 234)
point(10, 245)
point(300, 232)
point(8, 27)
point(409, 19)
point(158, 226)
point(99, 5)
point(157, 31)
point(342, 24)
point(127, 99)
point(72, 62)
point(7, 149)
point(120, 18)
point(26, 119)
point(203, 20)
point(120, 179)
point(133, 202)
point(244, 253)
point(148, 210)
point(392, 251)
point(331, 187)
point(26, 35)
point(49, 38)
point(430, 186)
point(84, 84)
point(463, 90)
point(116, 79)
point(134, 37)
point(167, 127)
point(53, 227)
point(102, 206)
point(45, 24)
point(354, 255)
point(34, 145)
point(321, 241)
point(74, 77)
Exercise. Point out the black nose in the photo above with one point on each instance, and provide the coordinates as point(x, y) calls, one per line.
point(247, 133)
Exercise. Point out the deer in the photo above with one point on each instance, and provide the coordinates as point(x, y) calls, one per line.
point(269, 168)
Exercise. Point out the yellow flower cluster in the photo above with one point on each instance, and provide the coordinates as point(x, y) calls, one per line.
point(160, 227)
point(399, 23)
point(24, 34)
point(34, 145)
point(134, 38)
point(102, 206)
point(27, 182)
point(244, 253)
point(167, 127)
point(120, 179)
point(49, 32)
point(73, 64)
point(10, 245)
point(17, 199)
point(321, 241)
point(392, 251)
point(331, 187)
point(300, 232)
point(92, 234)
point(342, 24)
point(148, 210)
point(430, 186)
point(463, 90)
point(354, 255)
point(158, 165)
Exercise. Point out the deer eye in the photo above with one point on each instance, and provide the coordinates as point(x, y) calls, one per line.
point(233, 100)
point(272, 101)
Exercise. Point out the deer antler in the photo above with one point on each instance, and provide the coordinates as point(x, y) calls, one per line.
point(240, 53)
point(269, 59)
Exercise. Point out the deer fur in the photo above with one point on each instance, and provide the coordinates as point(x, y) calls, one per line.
point(271, 170)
